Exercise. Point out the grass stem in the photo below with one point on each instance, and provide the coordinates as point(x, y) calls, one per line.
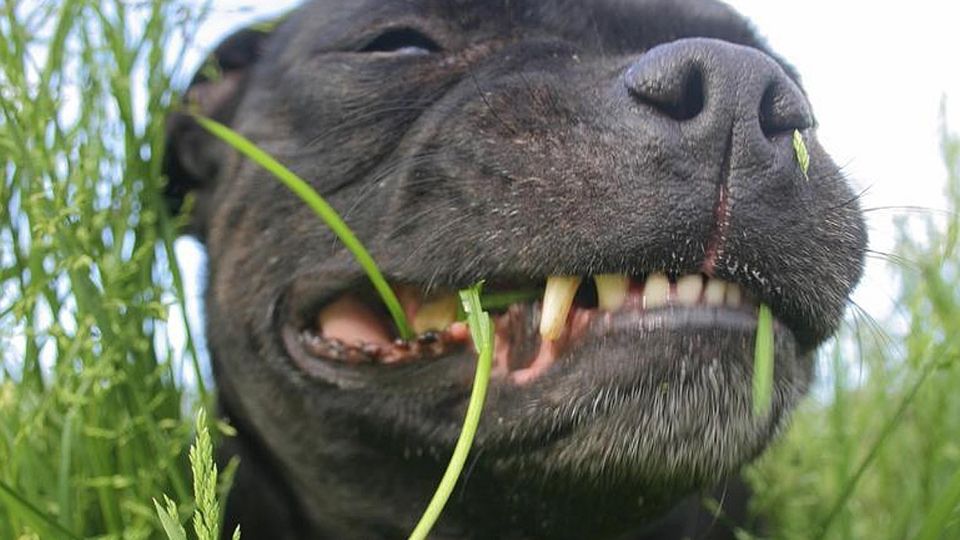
point(322, 209)
point(480, 330)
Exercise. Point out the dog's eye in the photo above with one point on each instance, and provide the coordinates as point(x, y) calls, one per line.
point(402, 41)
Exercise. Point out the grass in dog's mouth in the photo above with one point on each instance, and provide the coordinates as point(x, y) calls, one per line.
point(535, 322)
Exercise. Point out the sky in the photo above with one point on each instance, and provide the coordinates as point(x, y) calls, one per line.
point(875, 71)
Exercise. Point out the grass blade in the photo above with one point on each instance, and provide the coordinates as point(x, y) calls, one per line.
point(37, 516)
point(480, 331)
point(803, 156)
point(170, 520)
point(322, 209)
point(503, 300)
point(939, 518)
point(888, 428)
point(206, 517)
point(763, 362)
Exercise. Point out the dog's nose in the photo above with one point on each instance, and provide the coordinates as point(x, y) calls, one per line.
point(711, 85)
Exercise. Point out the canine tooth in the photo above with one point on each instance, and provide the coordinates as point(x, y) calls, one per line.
point(689, 289)
point(437, 314)
point(557, 299)
point(714, 292)
point(734, 296)
point(611, 290)
point(655, 291)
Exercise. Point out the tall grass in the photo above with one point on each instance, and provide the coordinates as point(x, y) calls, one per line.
point(92, 417)
point(95, 419)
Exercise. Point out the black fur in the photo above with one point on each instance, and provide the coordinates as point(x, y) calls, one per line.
point(524, 138)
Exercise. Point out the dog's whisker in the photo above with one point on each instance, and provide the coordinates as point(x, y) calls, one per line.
point(897, 259)
point(909, 209)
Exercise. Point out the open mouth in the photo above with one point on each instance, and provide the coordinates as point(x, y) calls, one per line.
point(535, 323)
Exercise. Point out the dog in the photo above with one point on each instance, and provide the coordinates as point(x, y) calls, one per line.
point(631, 171)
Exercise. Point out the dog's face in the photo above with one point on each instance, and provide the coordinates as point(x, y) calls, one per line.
point(650, 142)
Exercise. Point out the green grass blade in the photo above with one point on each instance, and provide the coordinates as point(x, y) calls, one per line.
point(888, 428)
point(36, 516)
point(206, 517)
point(322, 209)
point(763, 362)
point(501, 300)
point(943, 511)
point(169, 519)
point(480, 330)
point(803, 156)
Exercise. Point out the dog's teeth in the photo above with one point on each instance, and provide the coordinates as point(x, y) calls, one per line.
point(437, 314)
point(734, 296)
point(714, 292)
point(557, 299)
point(611, 290)
point(689, 289)
point(655, 291)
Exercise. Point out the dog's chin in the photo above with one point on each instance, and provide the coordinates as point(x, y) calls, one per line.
point(664, 409)
point(639, 422)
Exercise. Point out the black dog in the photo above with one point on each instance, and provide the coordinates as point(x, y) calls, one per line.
point(649, 142)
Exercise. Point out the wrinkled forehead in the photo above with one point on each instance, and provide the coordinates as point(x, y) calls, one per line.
point(604, 26)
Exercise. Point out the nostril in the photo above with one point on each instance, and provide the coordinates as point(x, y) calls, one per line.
point(691, 99)
point(677, 93)
point(783, 109)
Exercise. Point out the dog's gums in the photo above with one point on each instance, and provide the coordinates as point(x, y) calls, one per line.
point(354, 328)
point(627, 178)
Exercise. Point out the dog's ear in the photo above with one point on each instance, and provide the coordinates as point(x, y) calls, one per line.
point(192, 158)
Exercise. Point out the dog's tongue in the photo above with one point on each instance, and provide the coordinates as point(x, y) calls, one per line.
point(350, 321)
